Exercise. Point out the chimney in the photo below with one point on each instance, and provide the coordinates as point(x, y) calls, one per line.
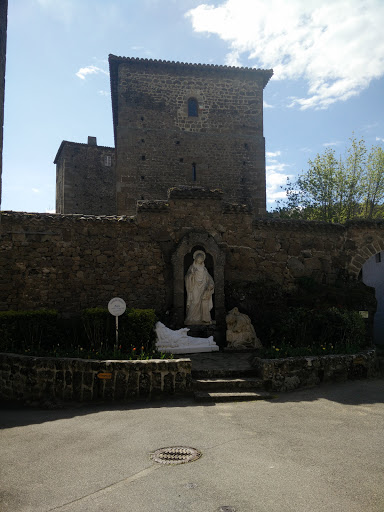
point(92, 141)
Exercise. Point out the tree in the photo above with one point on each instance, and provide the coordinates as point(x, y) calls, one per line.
point(374, 184)
point(338, 189)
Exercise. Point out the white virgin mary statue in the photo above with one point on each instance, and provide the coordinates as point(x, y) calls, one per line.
point(200, 288)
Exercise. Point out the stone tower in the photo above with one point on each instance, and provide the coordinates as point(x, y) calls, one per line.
point(175, 125)
point(85, 178)
point(3, 45)
point(187, 124)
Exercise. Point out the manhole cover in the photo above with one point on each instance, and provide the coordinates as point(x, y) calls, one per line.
point(175, 455)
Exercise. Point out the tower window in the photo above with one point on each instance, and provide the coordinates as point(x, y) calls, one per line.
point(194, 175)
point(193, 108)
point(107, 160)
point(378, 257)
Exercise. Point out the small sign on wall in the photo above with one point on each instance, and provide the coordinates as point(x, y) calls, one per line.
point(105, 376)
point(363, 314)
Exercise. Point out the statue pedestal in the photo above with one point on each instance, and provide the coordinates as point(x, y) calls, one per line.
point(191, 349)
point(179, 342)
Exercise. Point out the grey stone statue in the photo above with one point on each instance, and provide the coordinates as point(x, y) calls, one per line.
point(240, 331)
point(200, 288)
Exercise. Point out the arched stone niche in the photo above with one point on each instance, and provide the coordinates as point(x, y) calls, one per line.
point(215, 262)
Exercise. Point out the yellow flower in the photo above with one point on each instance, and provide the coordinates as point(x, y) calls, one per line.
point(277, 350)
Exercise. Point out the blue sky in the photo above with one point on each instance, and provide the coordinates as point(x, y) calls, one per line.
point(328, 58)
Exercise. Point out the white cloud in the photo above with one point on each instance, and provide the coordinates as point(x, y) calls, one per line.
point(90, 70)
point(267, 105)
point(276, 177)
point(327, 144)
point(36, 191)
point(104, 93)
point(380, 139)
point(336, 46)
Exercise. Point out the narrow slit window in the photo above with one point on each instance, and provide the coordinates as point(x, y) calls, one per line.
point(193, 110)
point(378, 257)
point(194, 175)
point(107, 160)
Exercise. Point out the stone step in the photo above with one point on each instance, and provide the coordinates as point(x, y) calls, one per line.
point(240, 396)
point(223, 384)
point(223, 373)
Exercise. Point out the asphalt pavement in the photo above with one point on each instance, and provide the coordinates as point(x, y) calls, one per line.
point(312, 450)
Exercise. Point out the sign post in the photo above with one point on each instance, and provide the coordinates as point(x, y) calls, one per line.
point(116, 307)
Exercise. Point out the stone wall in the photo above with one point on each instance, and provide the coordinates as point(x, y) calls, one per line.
point(70, 262)
point(159, 145)
point(29, 379)
point(3, 46)
point(299, 372)
point(85, 179)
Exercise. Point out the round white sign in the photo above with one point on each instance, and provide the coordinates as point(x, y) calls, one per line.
point(116, 306)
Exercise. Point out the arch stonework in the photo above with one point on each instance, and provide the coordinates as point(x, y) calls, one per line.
point(367, 246)
point(211, 247)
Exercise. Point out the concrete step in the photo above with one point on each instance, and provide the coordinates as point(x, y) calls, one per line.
point(240, 396)
point(227, 384)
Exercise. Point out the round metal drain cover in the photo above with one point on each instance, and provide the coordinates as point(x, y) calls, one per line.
point(175, 455)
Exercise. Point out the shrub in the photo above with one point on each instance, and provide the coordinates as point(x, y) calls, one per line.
point(140, 328)
point(136, 328)
point(42, 332)
point(99, 328)
point(300, 331)
point(20, 330)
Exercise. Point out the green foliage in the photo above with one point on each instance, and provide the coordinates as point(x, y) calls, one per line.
point(20, 330)
point(99, 328)
point(140, 327)
point(301, 331)
point(337, 189)
point(94, 336)
point(136, 328)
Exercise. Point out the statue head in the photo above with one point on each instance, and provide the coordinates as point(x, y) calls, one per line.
point(199, 256)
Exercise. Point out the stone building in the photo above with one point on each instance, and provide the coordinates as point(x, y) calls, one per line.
point(187, 174)
point(3, 45)
point(85, 178)
point(174, 124)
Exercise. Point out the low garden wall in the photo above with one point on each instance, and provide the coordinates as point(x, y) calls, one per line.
point(298, 372)
point(30, 379)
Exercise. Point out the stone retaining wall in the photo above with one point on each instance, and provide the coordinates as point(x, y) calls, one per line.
point(72, 262)
point(29, 379)
point(299, 372)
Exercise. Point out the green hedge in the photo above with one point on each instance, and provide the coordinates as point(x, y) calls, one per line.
point(24, 329)
point(136, 328)
point(43, 331)
point(301, 327)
